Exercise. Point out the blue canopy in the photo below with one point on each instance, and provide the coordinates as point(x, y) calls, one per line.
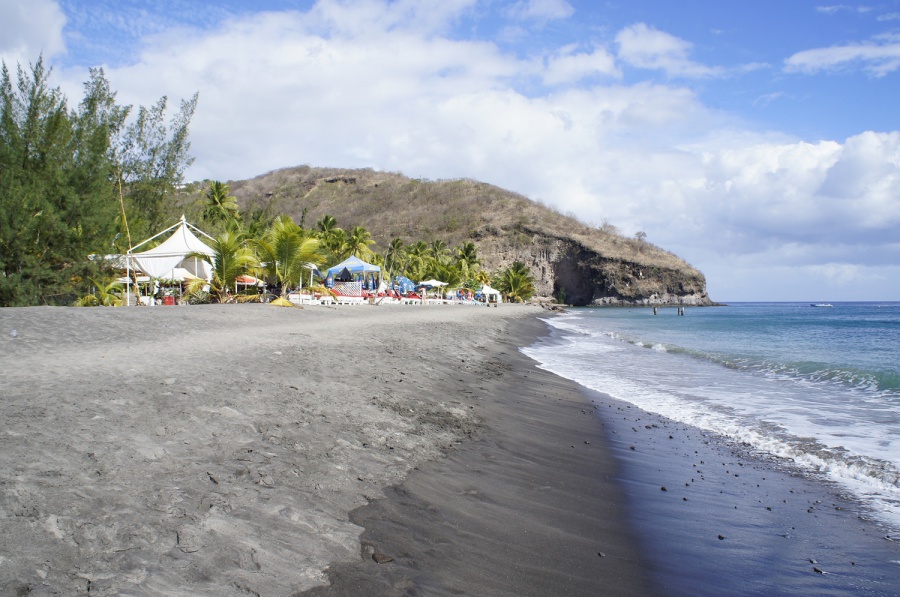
point(404, 284)
point(355, 266)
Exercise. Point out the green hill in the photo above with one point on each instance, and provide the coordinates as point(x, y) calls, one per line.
point(590, 265)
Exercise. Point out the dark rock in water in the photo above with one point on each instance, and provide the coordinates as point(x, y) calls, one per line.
point(382, 558)
point(663, 488)
point(721, 537)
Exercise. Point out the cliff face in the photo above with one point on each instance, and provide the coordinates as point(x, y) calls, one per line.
point(563, 268)
point(584, 264)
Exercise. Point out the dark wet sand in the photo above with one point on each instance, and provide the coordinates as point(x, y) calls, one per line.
point(530, 507)
point(560, 474)
point(732, 521)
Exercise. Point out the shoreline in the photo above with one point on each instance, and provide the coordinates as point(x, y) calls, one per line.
point(529, 506)
point(715, 517)
point(221, 450)
point(218, 450)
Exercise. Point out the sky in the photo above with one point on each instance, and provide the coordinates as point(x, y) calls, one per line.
point(759, 140)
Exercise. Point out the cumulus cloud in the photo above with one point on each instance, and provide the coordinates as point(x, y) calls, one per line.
point(643, 46)
point(385, 88)
point(28, 30)
point(568, 65)
point(879, 56)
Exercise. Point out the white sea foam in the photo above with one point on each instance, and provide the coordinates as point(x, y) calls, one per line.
point(761, 411)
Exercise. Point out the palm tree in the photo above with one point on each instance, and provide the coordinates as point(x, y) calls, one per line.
point(516, 282)
point(438, 250)
point(445, 272)
point(336, 242)
point(104, 295)
point(220, 205)
point(358, 242)
point(467, 259)
point(482, 277)
point(231, 258)
point(326, 225)
point(285, 250)
point(417, 259)
point(393, 257)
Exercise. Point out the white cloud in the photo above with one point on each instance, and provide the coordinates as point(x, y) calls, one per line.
point(570, 66)
point(30, 29)
point(646, 47)
point(333, 87)
point(878, 56)
point(836, 8)
point(540, 10)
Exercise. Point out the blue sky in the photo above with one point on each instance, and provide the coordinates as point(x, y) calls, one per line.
point(758, 140)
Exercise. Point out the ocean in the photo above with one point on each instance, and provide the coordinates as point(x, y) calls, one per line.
point(814, 389)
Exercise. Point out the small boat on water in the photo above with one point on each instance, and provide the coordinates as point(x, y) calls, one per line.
point(821, 305)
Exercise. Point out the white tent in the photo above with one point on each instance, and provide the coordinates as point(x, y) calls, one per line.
point(433, 283)
point(491, 294)
point(169, 259)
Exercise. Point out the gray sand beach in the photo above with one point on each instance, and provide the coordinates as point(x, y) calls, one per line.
point(220, 450)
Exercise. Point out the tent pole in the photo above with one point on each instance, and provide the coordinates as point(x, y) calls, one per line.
point(154, 236)
point(128, 279)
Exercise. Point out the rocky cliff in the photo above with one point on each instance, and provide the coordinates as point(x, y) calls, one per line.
point(587, 265)
point(579, 275)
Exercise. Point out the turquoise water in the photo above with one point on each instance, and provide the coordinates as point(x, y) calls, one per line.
point(817, 388)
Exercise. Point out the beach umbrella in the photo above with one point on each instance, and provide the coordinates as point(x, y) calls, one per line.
point(429, 284)
point(313, 271)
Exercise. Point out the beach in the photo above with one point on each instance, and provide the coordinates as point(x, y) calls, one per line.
point(220, 450)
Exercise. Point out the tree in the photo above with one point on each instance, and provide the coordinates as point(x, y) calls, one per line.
point(416, 260)
point(57, 205)
point(358, 242)
point(467, 259)
point(394, 256)
point(70, 178)
point(444, 272)
point(438, 250)
point(152, 158)
point(107, 294)
point(516, 282)
point(326, 224)
point(336, 243)
point(221, 206)
point(231, 258)
point(333, 238)
point(482, 277)
point(285, 251)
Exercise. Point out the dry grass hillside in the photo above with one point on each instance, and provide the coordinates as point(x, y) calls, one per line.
point(391, 205)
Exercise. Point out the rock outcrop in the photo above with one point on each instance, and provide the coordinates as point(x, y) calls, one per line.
point(575, 274)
